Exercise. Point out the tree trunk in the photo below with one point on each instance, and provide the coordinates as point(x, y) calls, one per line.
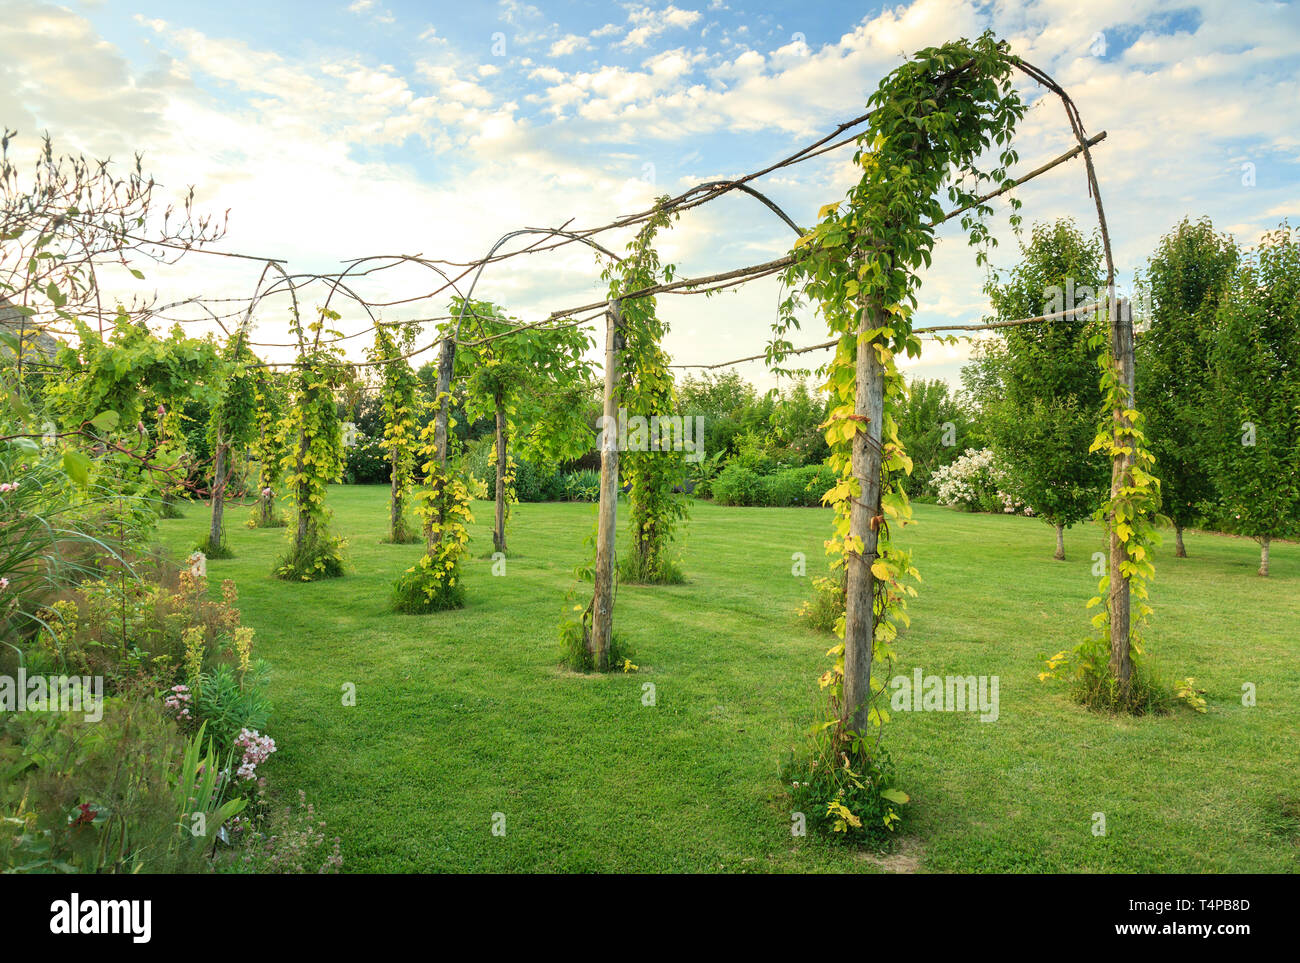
point(1121, 657)
point(1263, 555)
point(216, 534)
point(396, 529)
point(864, 519)
point(1060, 543)
point(446, 364)
point(499, 530)
point(602, 603)
point(1180, 551)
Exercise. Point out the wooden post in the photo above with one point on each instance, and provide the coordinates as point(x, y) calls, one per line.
point(499, 522)
point(216, 531)
point(446, 364)
point(1121, 337)
point(602, 606)
point(859, 618)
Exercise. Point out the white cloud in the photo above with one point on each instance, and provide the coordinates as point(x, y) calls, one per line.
point(569, 43)
point(294, 146)
point(648, 23)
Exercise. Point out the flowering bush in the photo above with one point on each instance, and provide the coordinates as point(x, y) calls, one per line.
point(975, 482)
point(289, 840)
point(256, 749)
point(178, 703)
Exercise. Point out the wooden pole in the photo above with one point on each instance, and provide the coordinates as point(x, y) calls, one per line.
point(864, 519)
point(216, 530)
point(446, 363)
point(1121, 658)
point(499, 522)
point(602, 606)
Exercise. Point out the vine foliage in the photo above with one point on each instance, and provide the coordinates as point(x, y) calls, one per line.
point(932, 120)
point(313, 436)
point(399, 396)
point(646, 389)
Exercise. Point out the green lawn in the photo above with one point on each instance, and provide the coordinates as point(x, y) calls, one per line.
point(464, 714)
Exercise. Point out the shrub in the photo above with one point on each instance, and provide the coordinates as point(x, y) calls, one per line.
point(659, 570)
point(737, 485)
point(366, 462)
point(116, 796)
point(847, 791)
point(826, 607)
point(581, 486)
point(230, 703)
point(974, 482)
point(797, 487)
point(287, 840)
point(138, 631)
point(1086, 668)
point(415, 593)
point(317, 556)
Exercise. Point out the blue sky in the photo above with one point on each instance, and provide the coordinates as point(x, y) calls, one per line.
point(339, 129)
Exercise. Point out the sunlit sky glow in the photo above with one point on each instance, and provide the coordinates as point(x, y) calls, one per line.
point(332, 131)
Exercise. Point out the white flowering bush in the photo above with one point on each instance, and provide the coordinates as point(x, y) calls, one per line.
point(974, 482)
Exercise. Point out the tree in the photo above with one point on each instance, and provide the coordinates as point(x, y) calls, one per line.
point(934, 429)
point(513, 375)
point(1049, 403)
point(1186, 280)
point(73, 220)
point(1256, 362)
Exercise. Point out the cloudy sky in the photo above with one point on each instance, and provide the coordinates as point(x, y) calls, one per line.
point(336, 130)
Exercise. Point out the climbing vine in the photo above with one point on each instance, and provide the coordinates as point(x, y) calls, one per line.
point(399, 401)
point(646, 390)
point(313, 436)
point(267, 446)
point(231, 425)
point(433, 584)
point(1131, 515)
point(931, 121)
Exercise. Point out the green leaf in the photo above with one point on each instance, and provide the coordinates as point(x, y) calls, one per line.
point(105, 420)
point(76, 466)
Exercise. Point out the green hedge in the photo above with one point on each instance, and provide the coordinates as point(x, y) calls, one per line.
point(786, 487)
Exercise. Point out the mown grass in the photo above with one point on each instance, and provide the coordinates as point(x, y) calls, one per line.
point(464, 714)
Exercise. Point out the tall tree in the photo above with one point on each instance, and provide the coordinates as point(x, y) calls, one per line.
point(1185, 281)
point(1050, 400)
point(1256, 361)
point(512, 375)
point(934, 429)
